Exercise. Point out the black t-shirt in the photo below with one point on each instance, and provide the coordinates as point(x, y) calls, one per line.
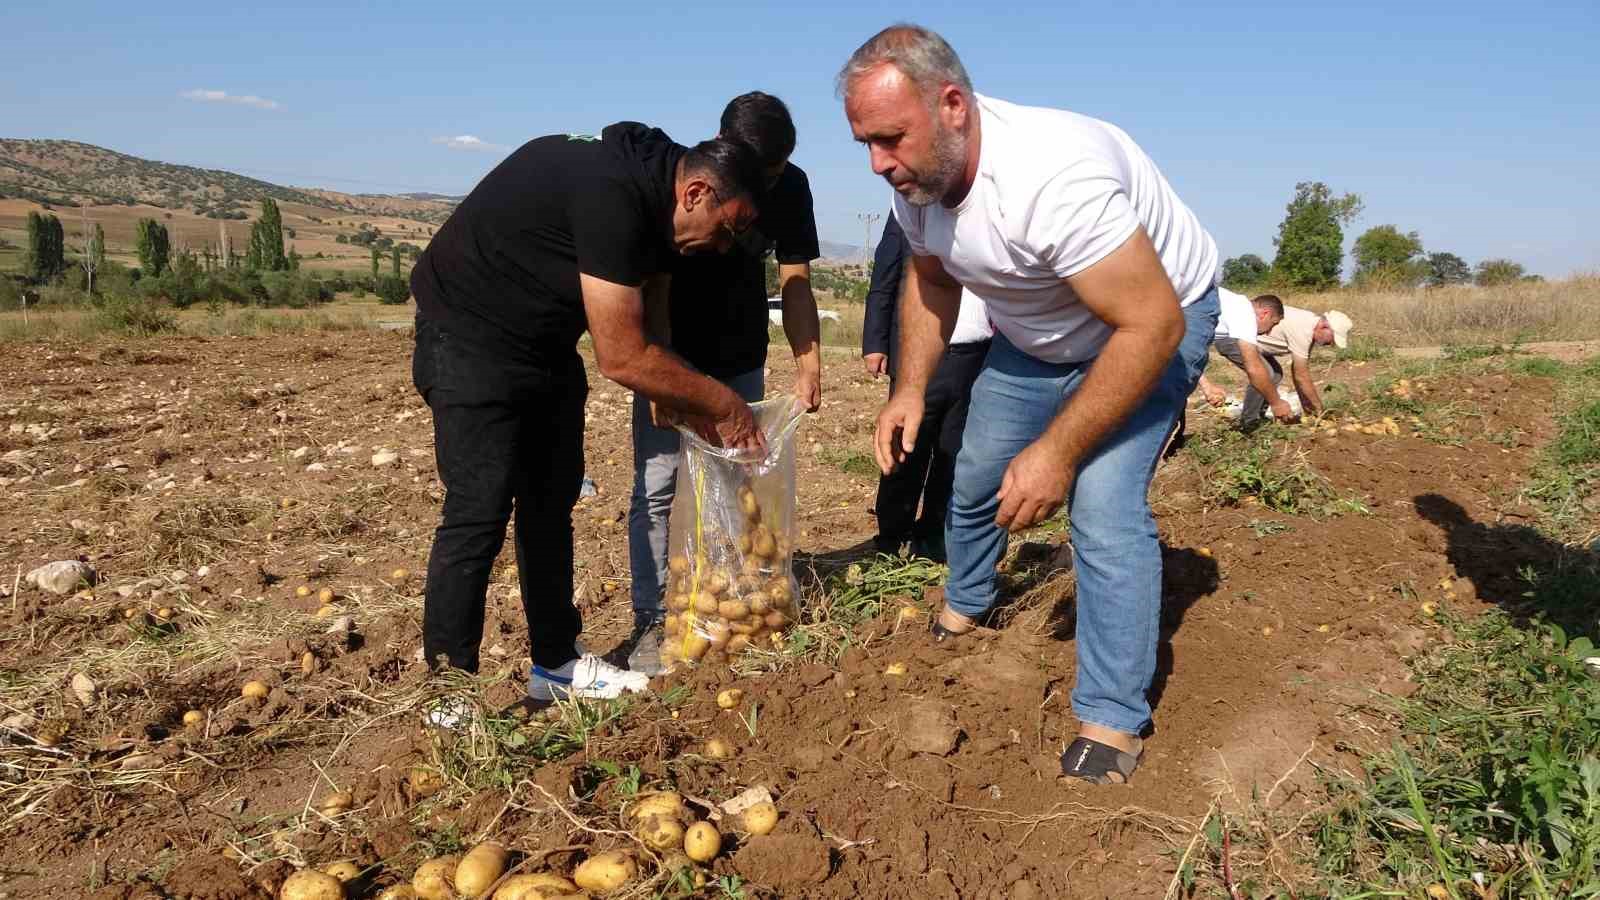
point(503, 269)
point(719, 301)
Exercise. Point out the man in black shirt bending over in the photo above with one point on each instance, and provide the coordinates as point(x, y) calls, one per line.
point(570, 232)
point(729, 290)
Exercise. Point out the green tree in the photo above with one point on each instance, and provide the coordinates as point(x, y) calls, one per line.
point(94, 254)
point(1242, 272)
point(374, 267)
point(392, 290)
point(265, 252)
point(395, 263)
point(294, 259)
point(1386, 257)
point(1310, 239)
point(46, 247)
point(1498, 271)
point(1447, 268)
point(154, 248)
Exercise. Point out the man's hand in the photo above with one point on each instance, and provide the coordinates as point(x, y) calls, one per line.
point(876, 363)
point(738, 430)
point(1283, 412)
point(1033, 488)
point(1214, 395)
point(808, 389)
point(898, 423)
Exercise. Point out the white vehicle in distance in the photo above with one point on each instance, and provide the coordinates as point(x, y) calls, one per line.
point(775, 312)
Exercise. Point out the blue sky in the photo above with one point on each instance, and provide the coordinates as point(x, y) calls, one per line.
point(1474, 123)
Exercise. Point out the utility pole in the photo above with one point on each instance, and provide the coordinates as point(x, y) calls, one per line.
point(866, 247)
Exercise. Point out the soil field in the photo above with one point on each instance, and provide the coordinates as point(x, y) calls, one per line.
point(217, 485)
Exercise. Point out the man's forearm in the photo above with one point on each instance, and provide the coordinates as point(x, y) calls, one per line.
point(1256, 372)
point(1310, 399)
point(928, 310)
point(1120, 379)
point(663, 377)
point(800, 322)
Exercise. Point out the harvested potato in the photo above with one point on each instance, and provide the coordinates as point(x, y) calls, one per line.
point(745, 627)
point(309, 884)
point(309, 663)
point(678, 565)
point(193, 717)
point(658, 803)
point(738, 643)
point(336, 802)
point(254, 690)
point(670, 623)
point(752, 565)
point(717, 582)
point(164, 613)
point(303, 591)
point(762, 543)
point(895, 668)
point(747, 584)
point(399, 575)
point(744, 545)
point(424, 782)
point(748, 504)
point(693, 646)
point(702, 842)
point(733, 610)
point(717, 748)
point(758, 602)
point(663, 832)
point(325, 595)
point(783, 548)
point(677, 602)
point(482, 866)
point(730, 698)
point(398, 892)
point(705, 604)
point(345, 870)
point(759, 819)
point(605, 872)
point(776, 619)
point(535, 886)
point(431, 881)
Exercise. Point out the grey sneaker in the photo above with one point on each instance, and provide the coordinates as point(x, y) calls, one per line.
point(645, 657)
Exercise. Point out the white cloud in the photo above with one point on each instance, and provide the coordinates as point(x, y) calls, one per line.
point(225, 97)
point(468, 142)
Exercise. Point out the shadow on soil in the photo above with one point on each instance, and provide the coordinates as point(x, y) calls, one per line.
point(1518, 569)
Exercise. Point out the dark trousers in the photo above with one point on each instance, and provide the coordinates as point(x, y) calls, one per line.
point(928, 472)
point(1255, 405)
point(508, 438)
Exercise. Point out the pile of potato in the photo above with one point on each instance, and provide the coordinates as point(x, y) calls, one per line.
point(735, 594)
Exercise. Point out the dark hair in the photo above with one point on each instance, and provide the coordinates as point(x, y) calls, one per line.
point(732, 167)
point(1270, 301)
point(762, 121)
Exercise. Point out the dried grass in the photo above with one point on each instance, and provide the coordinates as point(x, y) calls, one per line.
point(1423, 317)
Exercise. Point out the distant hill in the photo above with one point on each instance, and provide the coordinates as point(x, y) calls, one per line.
point(69, 173)
point(840, 253)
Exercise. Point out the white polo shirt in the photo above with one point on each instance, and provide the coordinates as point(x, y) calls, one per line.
point(1238, 319)
point(1056, 192)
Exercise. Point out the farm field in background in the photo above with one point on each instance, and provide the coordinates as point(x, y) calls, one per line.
point(1351, 609)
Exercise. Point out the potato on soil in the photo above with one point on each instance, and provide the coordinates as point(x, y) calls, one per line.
point(730, 698)
point(534, 886)
point(303, 591)
point(895, 668)
point(717, 748)
point(398, 892)
point(193, 717)
point(658, 803)
point(254, 690)
point(605, 872)
point(325, 595)
point(481, 867)
point(399, 575)
point(758, 819)
point(663, 832)
point(432, 879)
point(344, 870)
point(336, 802)
point(424, 782)
point(702, 842)
point(309, 884)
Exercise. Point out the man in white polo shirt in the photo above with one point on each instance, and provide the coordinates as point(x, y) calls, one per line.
point(1239, 327)
point(1100, 284)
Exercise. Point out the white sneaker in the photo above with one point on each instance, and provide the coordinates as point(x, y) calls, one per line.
point(588, 677)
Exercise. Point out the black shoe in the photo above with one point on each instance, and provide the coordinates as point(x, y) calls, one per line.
point(888, 546)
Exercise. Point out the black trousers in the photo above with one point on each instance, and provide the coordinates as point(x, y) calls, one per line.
point(1255, 405)
point(928, 473)
point(508, 438)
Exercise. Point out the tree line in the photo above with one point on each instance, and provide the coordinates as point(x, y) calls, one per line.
point(1310, 253)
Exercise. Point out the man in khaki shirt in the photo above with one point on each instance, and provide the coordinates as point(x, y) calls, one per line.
point(1294, 336)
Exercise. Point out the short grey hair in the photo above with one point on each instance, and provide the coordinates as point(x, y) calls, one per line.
point(922, 56)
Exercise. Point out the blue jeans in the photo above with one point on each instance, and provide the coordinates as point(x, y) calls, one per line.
point(655, 483)
point(1115, 550)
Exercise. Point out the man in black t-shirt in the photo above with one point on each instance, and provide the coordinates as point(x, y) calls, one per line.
point(570, 232)
point(718, 322)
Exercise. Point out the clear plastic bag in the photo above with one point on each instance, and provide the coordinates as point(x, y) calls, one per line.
point(730, 572)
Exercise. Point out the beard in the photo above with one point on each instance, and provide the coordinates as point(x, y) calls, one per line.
point(947, 161)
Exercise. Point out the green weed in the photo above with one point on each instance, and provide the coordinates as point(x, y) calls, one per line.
point(1364, 348)
point(851, 462)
